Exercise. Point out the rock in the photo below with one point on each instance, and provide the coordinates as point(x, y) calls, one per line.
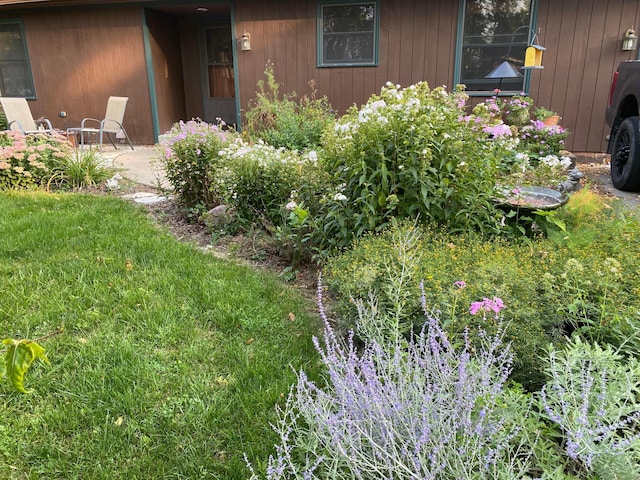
point(218, 216)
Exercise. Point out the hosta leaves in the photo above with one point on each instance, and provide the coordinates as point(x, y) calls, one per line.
point(18, 358)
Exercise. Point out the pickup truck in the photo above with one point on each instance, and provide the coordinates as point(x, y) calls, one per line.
point(622, 116)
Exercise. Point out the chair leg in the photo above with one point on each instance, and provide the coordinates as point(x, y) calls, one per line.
point(111, 140)
point(126, 135)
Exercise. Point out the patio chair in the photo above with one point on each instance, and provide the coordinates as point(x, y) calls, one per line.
point(19, 117)
point(110, 125)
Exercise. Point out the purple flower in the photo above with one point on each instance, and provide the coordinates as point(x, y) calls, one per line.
point(460, 284)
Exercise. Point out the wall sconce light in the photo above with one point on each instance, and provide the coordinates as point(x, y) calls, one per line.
point(630, 40)
point(245, 42)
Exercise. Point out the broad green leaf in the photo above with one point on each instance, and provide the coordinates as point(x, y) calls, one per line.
point(18, 358)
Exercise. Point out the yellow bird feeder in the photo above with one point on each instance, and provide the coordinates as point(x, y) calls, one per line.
point(533, 57)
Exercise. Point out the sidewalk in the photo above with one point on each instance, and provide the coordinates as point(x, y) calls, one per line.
point(141, 165)
point(596, 168)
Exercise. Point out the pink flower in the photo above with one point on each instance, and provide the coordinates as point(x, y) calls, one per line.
point(460, 284)
point(487, 305)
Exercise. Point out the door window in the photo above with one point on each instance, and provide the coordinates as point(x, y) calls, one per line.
point(219, 62)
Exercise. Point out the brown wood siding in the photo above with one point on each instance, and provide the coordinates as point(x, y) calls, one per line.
point(417, 42)
point(164, 38)
point(80, 57)
point(583, 40)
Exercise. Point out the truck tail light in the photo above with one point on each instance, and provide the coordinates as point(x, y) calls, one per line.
point(613, 86)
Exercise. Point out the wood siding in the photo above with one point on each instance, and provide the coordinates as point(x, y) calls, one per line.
point(583, 40)
point(164, 40)
point(417, 42)
point(80, 57)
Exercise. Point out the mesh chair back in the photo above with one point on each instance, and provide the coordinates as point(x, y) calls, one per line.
point(115, 114)
point(18, 114)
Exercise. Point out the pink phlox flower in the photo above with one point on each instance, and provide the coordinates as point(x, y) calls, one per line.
point(487, 305)
point(460, 284)
point(497, 130)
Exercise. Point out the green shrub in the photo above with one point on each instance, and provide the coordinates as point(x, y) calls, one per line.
point(29, 160)
point(283, 122)
point(486, 268)
point(258, 180)
point(551, 288)
point(190, 157)
point(409, 153)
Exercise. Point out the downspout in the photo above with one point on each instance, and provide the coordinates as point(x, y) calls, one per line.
point(153, 98)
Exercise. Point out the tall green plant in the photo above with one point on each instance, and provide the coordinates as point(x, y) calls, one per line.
point(407, 153)
point(190, 155)
point(281, 121)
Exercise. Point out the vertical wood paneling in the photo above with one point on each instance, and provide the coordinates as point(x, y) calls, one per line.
point(583, 38)
point(167, 65)
point(80, 57)
point(417, 42)
point(99, 52)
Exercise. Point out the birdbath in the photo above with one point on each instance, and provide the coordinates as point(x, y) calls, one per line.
point(531, 198)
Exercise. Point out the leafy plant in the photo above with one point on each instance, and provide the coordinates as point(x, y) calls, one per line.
point(190, 157)
point(3, 120)
point(29, 160)
point(18, 357)
point(257, 180)
point(406, 153)
point(421, 409)
point(592, 398)
point(281, 121)
point(80, 170)
point(542, 113)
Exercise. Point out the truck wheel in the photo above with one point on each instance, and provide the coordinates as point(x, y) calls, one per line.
point(625, 156)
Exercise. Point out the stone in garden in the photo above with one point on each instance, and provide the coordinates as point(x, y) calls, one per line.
point(218, 216)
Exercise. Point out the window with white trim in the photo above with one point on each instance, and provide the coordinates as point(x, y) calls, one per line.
point(16, 79)
point(347, 34)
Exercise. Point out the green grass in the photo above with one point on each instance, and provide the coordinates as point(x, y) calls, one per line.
point(170, 363)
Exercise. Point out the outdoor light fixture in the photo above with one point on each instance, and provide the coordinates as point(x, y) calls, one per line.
point(245, 42)
point(630, 40)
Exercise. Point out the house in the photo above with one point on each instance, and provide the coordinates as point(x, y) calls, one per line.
point(184, 59)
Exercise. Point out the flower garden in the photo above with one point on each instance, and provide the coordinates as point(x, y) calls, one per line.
point(464, 340)
point(459, 338)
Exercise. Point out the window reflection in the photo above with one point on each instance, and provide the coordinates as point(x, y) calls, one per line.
point(495, 31)
point(348, 33)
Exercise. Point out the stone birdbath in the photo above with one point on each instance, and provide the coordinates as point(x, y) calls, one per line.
point(530, 198)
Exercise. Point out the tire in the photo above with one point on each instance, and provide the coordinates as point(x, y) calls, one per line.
point(625, 156)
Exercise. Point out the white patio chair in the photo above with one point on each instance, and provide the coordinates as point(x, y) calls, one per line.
point(110, 125)
point(19, 117)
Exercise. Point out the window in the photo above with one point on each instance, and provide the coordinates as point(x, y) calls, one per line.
point(348, 34)
point(15, 71)
point(494, 33)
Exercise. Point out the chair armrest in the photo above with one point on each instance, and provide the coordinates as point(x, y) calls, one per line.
point(44, 121)
point(82, 124)
point(17, 124)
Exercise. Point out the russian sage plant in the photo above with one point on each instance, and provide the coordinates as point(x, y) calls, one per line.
point(592, 396)
point(419, 410)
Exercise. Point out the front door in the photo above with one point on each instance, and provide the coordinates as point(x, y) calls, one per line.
point(218, 77)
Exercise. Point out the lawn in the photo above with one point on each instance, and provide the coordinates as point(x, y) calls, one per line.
point(170, 363)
